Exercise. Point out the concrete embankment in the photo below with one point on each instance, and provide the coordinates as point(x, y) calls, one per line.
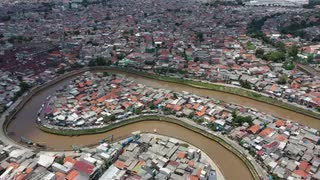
point(20, 119)
point(256, 170)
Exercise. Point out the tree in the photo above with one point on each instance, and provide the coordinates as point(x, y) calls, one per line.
point(234, 114)
point(200, 36)
point(150, 62)
point(283, 79)
point(245, 84)
point(275, 56)
point(199, 121)
point(212, 126)
point(120, 56)
point(105, 74)
point(288, 65)
point(60, 159)
point(310, 58)
point(293, 51)
point(24, 86)
point(110, 118)
point(191, 115)
point(259, 53)
point(251, 46)
point(152, 106)
point(184, 55)
point(240, 120)
point(281, 46)
point(101, 61)
point(137, 111)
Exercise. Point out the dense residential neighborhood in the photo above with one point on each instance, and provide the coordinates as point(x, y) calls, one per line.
point(189, 40)
point(268, 49)
point(144, 156)
point(96, 100)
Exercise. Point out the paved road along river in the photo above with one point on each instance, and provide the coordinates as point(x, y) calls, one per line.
point(24, 125)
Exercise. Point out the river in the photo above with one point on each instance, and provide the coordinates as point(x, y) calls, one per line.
point(24, 125)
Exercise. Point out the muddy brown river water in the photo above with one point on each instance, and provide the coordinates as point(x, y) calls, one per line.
point(232, 167)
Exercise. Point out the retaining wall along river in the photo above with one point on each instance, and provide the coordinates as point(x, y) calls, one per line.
point(22, 121)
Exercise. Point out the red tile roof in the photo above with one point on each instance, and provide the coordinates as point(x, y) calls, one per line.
point(181, 155)
point(282, 137)
point(280, 123)
point(72, 175)
point(60, 176)
point(119, 164)
point(303, 165)
point(265, 132)
point(191, 163)
point(254, 128)
point(301, 173)
point(84, 167)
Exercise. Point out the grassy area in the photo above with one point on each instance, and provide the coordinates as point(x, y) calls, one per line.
point(159, 118)
point(251, 46)
point(231, 90)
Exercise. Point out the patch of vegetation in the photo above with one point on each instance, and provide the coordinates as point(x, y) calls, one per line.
point(296, 27)
point(184, 145)
point(255, 26)
point(275, 56)
point(24, 87)
point(19, 39)
point(110, 118)
point(240, 120)
point(100, 61)
point(293, 51)
point(199, 120)
point(200, 36)
point(251, 46)
point(259, 53)
point(288, 65)
point(213, 126)
point(245, 84)
point(191, 115)
point(283, 79)
point(152, 106)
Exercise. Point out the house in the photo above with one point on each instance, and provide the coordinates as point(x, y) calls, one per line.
point(85, 169)
point(254, 129)
point(267, 131)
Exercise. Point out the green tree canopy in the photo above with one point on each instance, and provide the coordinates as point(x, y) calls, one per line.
point(259, 53)
point(283, 79)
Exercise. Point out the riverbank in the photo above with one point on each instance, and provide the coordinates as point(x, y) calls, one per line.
point(26, 112)
point(223, 88)
point(186, 124)
point(16, 107)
